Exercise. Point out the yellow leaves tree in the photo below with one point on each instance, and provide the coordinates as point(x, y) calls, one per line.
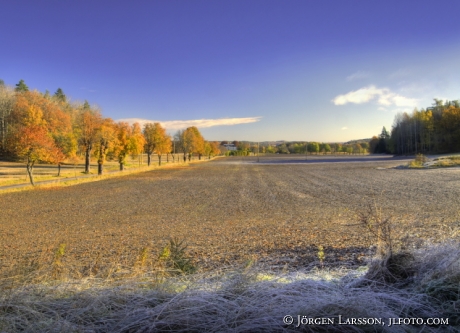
point(88, 123)
point(105, 141)
point(156, 140)
point(211, 149)
point(129, 141)
point(193, 142)
point(136, 140)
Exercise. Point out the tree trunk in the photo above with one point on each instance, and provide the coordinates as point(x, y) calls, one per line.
point(30, 170)
point(159, 159)
point(185, 158)
point(87, 158)
point(122, 165)
point(149, 157)
point(100, 167)
point(59, 170)
point(167, 157)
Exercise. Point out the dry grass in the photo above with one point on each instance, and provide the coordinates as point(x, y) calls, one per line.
point(244, 301)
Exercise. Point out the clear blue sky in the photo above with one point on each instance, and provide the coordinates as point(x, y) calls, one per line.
point(244, 70)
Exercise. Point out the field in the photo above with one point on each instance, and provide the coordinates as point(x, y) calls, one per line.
point(265, 240)
point(229, 212)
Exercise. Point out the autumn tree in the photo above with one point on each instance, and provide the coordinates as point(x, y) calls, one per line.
point(34, 144)
point(130, 140)
point(88, 123)
point(192, 142)
point(136, 140)
point(123, 143)
point(7, 98)
point(105, 140)
point(212, 148)
point(154, 135)
point(163, 146)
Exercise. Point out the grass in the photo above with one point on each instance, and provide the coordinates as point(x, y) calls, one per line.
point(450, 161)
point(243, 300)
point(70, 178)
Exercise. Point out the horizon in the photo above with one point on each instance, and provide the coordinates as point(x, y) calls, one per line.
point(325, 72)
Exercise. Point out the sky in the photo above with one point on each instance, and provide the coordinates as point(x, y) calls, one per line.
point(242, 69)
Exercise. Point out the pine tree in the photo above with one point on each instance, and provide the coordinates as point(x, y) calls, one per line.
point(60, 96)
point(21, 86)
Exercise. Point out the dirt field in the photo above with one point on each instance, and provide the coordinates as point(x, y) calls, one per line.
point(229, 211)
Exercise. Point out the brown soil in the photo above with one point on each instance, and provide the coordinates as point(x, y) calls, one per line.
point(229, 213)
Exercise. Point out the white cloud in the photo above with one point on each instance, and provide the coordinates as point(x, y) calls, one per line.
point(383, 96)
point(358, 75)
point(200, 123)
point(344, 128)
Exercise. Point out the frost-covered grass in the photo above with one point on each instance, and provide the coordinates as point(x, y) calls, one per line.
point(423, 284)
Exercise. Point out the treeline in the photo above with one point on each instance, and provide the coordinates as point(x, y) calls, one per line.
point(435, 129)
point(249, 148)
point(39, 127)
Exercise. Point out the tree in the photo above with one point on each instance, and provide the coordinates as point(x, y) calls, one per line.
point(6, 107)
point(163, 146)
point(60, 96)
point(34, 144)
point(136, 140)
point(88, 124)
point(313, 147)
point(373, 144)
point(21, 86)
point(214, 149)
point(123, 143)
point(105, 140)
point(154, 135)
point(192, 142)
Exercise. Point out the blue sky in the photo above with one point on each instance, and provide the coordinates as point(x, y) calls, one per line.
point(245, 70)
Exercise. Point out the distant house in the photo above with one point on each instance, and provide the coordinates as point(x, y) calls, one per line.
point(230, 146)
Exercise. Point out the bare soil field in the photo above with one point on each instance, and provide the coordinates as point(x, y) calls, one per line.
point(229, 211)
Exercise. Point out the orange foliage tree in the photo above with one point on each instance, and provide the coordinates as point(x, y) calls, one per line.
point(105, 140)
point(88, 123)
point(156, 140)
point(34, 144)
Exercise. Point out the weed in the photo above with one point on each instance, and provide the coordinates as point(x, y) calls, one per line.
point(174, 254)
point(418, 162)
point(57, 265)
point(321, 255)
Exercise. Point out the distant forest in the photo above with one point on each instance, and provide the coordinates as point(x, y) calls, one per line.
point(435, 129)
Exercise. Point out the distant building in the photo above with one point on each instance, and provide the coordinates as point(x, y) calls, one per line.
point(230, 146)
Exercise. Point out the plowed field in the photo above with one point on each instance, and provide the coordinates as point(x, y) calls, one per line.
point(229, 211)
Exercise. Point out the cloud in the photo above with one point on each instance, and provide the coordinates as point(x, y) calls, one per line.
point(200, 123)
point(344, 128)
point(383, 96)
point(358, 75)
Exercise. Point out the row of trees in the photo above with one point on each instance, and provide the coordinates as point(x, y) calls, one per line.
point(435, 129)
point(48, 128)
point(246, 148)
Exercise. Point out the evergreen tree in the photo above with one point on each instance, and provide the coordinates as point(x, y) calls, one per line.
point(21, 86)
point(60, 96)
